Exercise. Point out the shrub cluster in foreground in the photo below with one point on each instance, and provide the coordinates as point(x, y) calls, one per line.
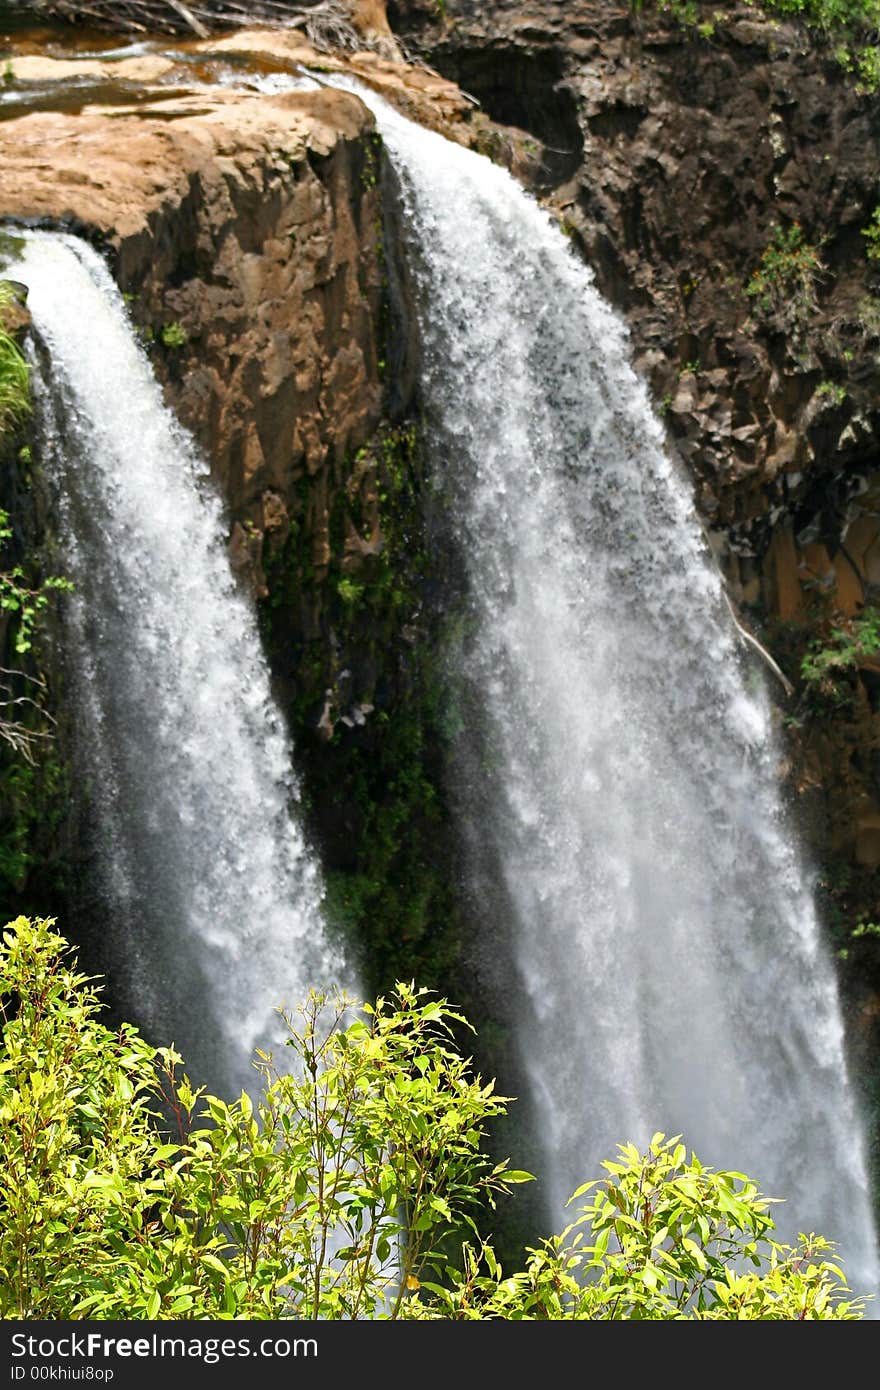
point(351, 1188)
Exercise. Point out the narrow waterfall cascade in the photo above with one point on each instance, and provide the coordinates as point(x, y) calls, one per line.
point(212, 896)
point(661, 918)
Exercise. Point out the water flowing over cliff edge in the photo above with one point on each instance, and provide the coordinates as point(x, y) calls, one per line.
point(616, 780)
point(212, 897)
point(660, 915)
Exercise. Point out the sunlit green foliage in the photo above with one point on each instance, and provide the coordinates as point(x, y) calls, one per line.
point(784, 285)
point(173, 335)
point(851, 24)
point(829, 14)
point(24, 602)
point(662, 1237)
point(849, 27)
point(342, 1191)
point(15, 401)
point(871, 233)
point(330, 1197)
point(833, 658)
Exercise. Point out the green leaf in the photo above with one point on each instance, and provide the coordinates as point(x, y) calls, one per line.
point(211, 1260)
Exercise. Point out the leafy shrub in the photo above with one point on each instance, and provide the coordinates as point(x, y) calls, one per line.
point(829, 15)
point(663, 1237)
point(350, 591)
point(329, 1198)
point(687, 14)
point(871, 233)
point(856, 22)
point(173, 336)
point(784, 286)
point(14, 375)
point(832, 659)
point(341, 1192)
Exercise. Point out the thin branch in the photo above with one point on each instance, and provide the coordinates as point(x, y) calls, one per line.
point(189, 18)
point(327, 24)
point(762, 651)
point(23, 741)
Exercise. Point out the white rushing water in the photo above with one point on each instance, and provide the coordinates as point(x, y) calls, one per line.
point(214, 896)
point(661, 917)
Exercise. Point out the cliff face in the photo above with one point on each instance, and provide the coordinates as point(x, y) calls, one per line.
point(249, 227)
point(247, 231)
point(719, 180)
point(679, 154)
point(28, 768)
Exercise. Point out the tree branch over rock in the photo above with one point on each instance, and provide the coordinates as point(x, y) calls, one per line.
point(339, 24)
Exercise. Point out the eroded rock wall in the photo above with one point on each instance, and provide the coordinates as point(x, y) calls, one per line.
point(253, 238)
point(248, 233)
point(719, 180)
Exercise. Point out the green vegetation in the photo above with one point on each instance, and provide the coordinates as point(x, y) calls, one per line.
point(868, 317)
point(343, 1191)
point(330, 1197)
point(848, 900)
point(372, 148)
point(687, 13)
point(851, 24)
point(32, 780)
point(833, 391)
point(395, 892)
point(661, 1238)
point(25, 603)
point(849, 27)
point(349, 591)
point(372, 709)
point(34, 801)
point(822, 653)
point(871, 929)
point(15, 400)
point(173, 336)
point(21, 601)
point(863, 63)
point(871, 233)
point(831, 16)
point(784, 286)
point(833, 658)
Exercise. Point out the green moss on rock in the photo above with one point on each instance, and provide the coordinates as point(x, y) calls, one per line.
point(357, 645)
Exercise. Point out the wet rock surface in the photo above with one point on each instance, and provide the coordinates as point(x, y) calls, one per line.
point(245, 226)
point(680, 161)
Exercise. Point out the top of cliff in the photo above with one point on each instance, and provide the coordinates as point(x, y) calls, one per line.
point(99, 139)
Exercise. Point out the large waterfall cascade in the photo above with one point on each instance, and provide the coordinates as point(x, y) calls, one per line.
point(214, 897)
point(661, 917)
point(659, 913)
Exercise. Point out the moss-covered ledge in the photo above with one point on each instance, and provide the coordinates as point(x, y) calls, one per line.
point(33, 770)
point(356, 643)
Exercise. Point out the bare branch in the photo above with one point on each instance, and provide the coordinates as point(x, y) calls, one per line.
point(25, 742)
point(328, 22)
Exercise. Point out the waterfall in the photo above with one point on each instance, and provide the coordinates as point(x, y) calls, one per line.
point(212, 897)
point(621, 773)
